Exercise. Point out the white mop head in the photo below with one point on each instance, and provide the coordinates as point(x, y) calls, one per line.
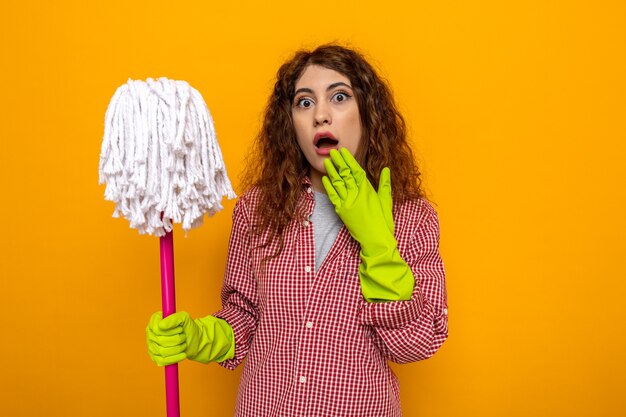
point(160, 155)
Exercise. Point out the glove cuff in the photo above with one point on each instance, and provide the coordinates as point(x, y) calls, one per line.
point(215, 342)
point(385, 277)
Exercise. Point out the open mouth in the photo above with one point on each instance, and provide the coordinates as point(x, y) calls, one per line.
point(325, 140)
point(326, 143)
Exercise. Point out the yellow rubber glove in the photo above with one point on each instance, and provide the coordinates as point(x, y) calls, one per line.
point(178, 337)
point(368, 216)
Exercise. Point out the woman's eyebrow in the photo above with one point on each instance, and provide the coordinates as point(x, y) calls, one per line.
point(330, 87)
point(303, 90)
point(333, 85)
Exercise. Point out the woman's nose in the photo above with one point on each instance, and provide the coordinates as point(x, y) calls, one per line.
point(322, 115)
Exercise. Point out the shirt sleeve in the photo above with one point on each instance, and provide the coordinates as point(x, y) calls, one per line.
point(239, 297)
point(413, 330)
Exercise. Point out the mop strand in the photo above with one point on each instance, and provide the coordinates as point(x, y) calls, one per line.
point(160, 155)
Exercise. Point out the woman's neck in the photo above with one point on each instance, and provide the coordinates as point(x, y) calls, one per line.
point(316, 181)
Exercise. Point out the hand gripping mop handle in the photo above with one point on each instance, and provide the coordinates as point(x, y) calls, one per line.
point(168, 298)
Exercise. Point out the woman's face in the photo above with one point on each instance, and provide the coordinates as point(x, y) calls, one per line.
point(325, 116)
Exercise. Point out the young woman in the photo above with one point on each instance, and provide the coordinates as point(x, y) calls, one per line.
point(332, 271)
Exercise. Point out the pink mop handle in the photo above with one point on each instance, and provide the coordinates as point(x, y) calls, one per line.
point(168, 298)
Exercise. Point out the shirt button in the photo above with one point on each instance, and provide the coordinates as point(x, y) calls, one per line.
point(308, 190)
point(445, 311)
point(309, 324)
point(305, 223)
point(302, 379)
point(307, 269)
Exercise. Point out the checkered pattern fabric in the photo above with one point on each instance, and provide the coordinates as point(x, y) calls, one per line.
point(313, 346)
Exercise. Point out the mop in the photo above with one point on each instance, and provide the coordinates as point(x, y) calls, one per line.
point(162, 164)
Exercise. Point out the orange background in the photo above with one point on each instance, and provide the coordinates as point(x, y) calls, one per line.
point(517, 111)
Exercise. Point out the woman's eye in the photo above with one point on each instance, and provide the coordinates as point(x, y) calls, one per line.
point(339, 97)
point(304, 102)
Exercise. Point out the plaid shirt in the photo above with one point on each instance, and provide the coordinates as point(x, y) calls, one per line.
point(314, 346)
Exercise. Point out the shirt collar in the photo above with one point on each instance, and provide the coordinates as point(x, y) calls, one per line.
point(305, 180)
